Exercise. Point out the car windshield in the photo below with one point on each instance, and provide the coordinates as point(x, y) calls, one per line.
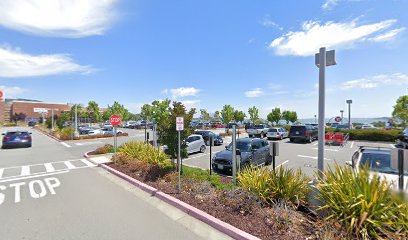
point(378, 162)
point(242, 146)
point(190, 139)
point(16, 133)
point(258, 126)
point(273, 130)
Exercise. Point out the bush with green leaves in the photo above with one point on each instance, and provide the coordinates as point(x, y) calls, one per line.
point(144, 152)
point(363, 203)
point(285, 185)
point(374, 134)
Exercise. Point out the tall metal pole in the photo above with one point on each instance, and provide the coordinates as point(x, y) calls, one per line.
point(234, 154)
point(76, 121)
point(322, 89)
point(341, 111)
point(179, 163)
point(114, 144)
point(349, 113)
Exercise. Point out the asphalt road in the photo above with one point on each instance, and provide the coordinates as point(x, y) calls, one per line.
point(50, 191)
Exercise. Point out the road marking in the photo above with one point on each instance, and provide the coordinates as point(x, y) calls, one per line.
point(49, 167)
point(33, 176)
point(65, 144)
point(392, 145)
point(88, 163)
point(328, 149)
point(87, 143)
point(352, 144)
point(314, 144)
point(303, 156)
point(1, 172)
point(201, 155)
point(282, 163)
point(69, 165)
point(25, 171)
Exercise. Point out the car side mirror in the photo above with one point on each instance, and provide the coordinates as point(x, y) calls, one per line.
point(350, 163)
point(3, 134)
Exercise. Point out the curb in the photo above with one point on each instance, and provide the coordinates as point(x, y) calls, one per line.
point(190, 210)
point(49, 135)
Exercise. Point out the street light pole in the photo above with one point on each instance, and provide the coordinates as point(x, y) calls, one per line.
point(323, 59)
point(76, 134)
point(349, 102)
point(341, 112)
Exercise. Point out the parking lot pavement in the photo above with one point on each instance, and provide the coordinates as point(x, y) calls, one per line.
point(296, 155)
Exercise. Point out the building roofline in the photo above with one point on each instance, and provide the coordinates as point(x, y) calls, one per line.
point(39, 102)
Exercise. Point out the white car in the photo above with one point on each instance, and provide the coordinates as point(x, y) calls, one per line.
point(380, 163)
point(368, 126)
point(109, 131)
point(94, 132)
point(195, 143)
point(277, 133)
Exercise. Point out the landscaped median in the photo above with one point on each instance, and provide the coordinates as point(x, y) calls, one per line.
point(67, 133)
point(268, 204)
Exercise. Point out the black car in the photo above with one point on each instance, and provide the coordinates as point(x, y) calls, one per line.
point(403, 139)
point(31, 123)
point(306, 133)
point(206, 136)
point(254, 152)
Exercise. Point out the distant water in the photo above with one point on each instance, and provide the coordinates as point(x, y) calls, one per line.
point(353, 120)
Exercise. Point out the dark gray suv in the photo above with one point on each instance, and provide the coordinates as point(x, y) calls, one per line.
point(254, 152)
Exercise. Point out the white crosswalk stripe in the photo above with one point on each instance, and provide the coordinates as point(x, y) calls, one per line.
point(16, 172)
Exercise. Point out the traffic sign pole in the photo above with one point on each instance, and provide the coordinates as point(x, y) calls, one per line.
point(115, 121)
point(179, 128)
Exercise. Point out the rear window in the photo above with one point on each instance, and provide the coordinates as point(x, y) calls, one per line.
point(300, 129)
point(273, 130)
point(258, 126)
point(16, 133)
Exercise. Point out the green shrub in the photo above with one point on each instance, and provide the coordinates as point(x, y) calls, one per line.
point(374, 134)
point(274, 186)
point(66, 133)
point(107, 148)
point(204, 175)
point(364, 204)
point(144, 152)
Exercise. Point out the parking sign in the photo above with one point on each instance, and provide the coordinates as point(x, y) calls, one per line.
point(179, 123)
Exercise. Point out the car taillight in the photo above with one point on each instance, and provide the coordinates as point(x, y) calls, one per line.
point(27, 137)
point(6, 138)
point(307, 133)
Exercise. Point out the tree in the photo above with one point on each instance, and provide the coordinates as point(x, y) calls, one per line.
point(401, 109)
point(216, 116)
point(167, 132)
point(160, 110)
point(239, 116)
point(293, 117)
point(146, 112)
point(64, 117)
point(93, 111)
point(286, 116)
point(118, 109)
point(227, 114)
point(253, 113)
point(275, 115)
point(204, 115)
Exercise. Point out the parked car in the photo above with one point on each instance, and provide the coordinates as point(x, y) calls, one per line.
point(253, 152)
point(334, 125)
point(19, 138)
point(368, 126)
point(379, 161)
point(195, 143)
point(31, 123)
point(342, 127)
point(218, 125)
point(304, 133)
point(94, 132)
point(206, 134)
point(403, 139)
point(109, 131)
point(258, 130)
point(130, 124)
point(277, 133)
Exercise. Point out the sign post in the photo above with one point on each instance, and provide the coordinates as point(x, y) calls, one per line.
point(211, 144)
point(179, 128)
point(115, 121)
point(234, 154)
point(323, 59)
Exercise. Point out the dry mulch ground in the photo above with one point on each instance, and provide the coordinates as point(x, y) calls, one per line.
point(240, 209)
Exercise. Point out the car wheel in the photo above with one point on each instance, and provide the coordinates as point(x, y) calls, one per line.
point(291, 140)
point(202, 149)
point(281, 138)
point(310, 140)
point(250, 136)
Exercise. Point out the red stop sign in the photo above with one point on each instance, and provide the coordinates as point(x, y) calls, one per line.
point(1, 94)
point(114, 120)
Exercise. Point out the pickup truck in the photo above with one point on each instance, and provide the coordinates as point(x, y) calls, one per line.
point(258, 130)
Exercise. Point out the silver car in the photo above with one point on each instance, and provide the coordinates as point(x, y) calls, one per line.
point(195, 143)
point(277, 133)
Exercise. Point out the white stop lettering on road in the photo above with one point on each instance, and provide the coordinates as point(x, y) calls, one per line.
point(37, 189)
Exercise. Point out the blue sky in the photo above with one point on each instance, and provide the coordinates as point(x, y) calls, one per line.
point(206, 53)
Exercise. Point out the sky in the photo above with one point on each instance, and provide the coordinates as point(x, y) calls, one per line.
point(206, 53)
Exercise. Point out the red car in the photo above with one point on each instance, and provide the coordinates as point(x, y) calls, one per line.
point(218, 125)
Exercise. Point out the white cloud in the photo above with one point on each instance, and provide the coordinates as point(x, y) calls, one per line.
point(12, 92)
point(14, 63)
point(181, 92)
point(395, 79)
point(388, 36)
point(267, 22)
point(314, 35)
point(190, 103)
point(330, 4)
point(60, 18)
point(254, 93)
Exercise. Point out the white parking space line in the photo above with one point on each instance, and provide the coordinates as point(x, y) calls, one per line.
point(282, 163)
point(352, 144)
point(311, 157)
point(25, 170)
point(88, 163)
point(1, 172)
point(49, 167)
point(315, 144)
point(328, 149)
point(32, 176)
point(69, 165)
point(392, 145)
point(65, 144)
point(87, 143)
point(201, 155)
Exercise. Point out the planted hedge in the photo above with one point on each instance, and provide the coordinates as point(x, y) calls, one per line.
point(374, 134)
